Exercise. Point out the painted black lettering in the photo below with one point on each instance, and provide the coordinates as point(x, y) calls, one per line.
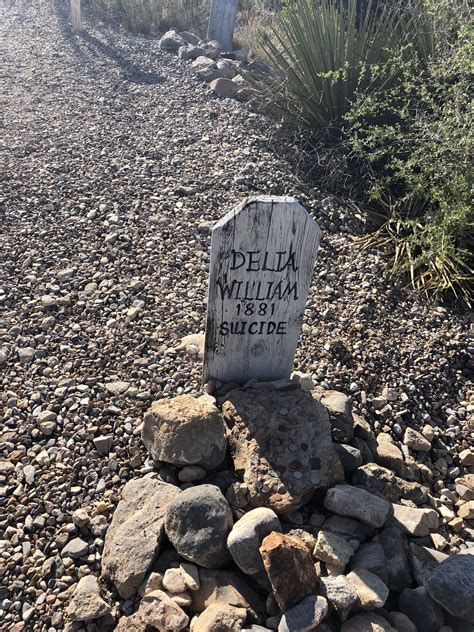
point(258, 297)
point(226, 290)
point(253, 327)
point(292, 288)
point(224, 328)
point(235, 255)
point(281, 329)
point(253, 262)
point(291, 263)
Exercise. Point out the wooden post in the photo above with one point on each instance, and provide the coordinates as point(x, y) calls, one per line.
point(76, 15)
point(262, 258)
point(222, 22)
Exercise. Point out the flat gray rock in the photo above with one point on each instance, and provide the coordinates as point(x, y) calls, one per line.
point(371, 590)
point(133, 539)
point(332, 548)
point(354, 502)
point(75, 549)
point(86, 603)
point(305, 615)
point(414, 520)
point(367, 622)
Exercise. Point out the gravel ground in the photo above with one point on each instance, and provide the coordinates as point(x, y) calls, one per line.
point(117, 162)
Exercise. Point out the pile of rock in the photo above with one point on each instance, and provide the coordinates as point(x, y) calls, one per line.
point(221, 69)
point(273, 507)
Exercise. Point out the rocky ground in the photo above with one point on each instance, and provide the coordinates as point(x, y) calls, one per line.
point(118, 160)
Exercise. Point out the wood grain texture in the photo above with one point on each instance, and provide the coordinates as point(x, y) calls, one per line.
point(76, 19)
point(222, 22)
point(262, 258)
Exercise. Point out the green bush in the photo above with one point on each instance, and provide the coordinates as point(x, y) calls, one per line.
point(391, 82)
point(413, 146)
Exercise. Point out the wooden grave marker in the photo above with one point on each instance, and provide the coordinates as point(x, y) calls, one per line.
point(76, 19)
point(262, 259)
point(222, 21)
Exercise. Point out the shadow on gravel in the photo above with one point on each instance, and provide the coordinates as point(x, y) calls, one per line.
point(132, 73)
point(83, 42)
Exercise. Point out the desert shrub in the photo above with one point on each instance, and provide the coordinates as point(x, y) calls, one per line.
point(256, 21)
point(413, 146)
point(155, 16)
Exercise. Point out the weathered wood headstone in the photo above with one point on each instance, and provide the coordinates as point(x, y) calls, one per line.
point(76, 19)
point(222, 22)
point(262, 258)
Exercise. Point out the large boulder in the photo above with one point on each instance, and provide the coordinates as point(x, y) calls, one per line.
point(389, 455)
point(380, 479)
point(185, 431)
point(198, 523)
point(281, 442)
point(133, 539)
point(225, 88)
point(416, 441)
point(452, 585)
point(189, 51)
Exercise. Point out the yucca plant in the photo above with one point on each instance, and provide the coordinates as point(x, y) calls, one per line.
point(326, 50)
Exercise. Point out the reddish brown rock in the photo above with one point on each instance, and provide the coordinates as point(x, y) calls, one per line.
point(290, 569)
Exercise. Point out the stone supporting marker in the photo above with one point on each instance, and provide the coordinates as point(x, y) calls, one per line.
point(222, 21)
point(76, 19)
point(262, 258)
